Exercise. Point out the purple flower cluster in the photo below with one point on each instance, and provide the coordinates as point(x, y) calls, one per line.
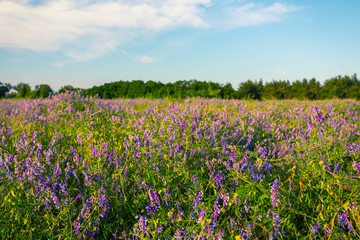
point(315, 229)
point(154, 203)
point(344, 222)
point(275, 193)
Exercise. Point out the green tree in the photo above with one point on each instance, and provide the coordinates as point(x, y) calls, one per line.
point(42, 91)
point(250, 90)
point(67, 88)
point(4, 89)
point(24, 90)
point(226, 91)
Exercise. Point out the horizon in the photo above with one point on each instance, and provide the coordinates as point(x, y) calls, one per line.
point(90, 43)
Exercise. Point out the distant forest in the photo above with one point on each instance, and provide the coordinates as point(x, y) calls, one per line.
point(340, 87)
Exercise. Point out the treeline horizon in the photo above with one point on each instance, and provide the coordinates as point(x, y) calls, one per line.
point(339, 87)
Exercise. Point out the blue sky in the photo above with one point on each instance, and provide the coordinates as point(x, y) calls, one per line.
point(91, 42)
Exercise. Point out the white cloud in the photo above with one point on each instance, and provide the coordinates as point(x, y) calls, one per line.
point(253, 14)
point(88, 29)
point(145, 59)
point(84, 29)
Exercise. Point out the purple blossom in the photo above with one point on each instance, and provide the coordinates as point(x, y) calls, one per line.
point(246, 206)
point(201, 215)
point(315, 229)
point(244, 163)
point(55, 200)
point(178, 234)
point(356, 165)
point(194, 178)
point(219, 179)
point(275, 193)
point(277, 222)
point(88, 179)
point(154, 202)
point(344, 222)
point(197, 199)
point(142, 225)
point(77, 227)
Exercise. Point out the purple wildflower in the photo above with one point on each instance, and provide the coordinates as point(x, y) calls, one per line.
point(178, 234)
point(77, 227)
point(57, 170)
point(344, 222)
point(246, 206)
point(217, 209)
point(154, 202)
point(275, 193)
point(226, 199)
point(142, 225)
point(244, 164)
point(194, 178)
point(219, 179)
point(315, 229)
point(356, 165)
point(277, 222)
point(160, 228)
point(327, 230)
point(64, 189)
point(88, 179)
point(197, 198)
point(55, 200)
point(201, 214)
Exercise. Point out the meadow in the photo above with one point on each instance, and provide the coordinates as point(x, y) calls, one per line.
point(74, 167)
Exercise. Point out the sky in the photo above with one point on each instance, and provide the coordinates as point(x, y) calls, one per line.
point(91, 42)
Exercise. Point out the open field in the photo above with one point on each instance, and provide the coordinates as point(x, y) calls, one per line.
point(74, 167)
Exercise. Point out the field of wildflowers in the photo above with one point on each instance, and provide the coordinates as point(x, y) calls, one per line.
point(73, 167)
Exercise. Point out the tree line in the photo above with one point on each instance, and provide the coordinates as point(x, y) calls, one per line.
point(341, 87)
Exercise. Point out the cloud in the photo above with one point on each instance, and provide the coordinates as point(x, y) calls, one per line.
point(84, 29)
point(88, 29)
point(145, 59)
point(254, 14)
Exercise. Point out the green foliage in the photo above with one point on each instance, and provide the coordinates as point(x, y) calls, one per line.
point(41, 91)
point(251, 90)
point(4, 89)
point(340, 87)
point(65, 88)
point(23, 89)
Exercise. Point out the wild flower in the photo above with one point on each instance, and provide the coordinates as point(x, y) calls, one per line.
point(275, 193)
point(246, 206)
point(154, 203)
point(315, 229)
point(201, 215)
point(77, 227)
point(197, 199)
point(344, 222)
point(356, 165)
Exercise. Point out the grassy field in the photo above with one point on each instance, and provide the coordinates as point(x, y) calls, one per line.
point(74, 167)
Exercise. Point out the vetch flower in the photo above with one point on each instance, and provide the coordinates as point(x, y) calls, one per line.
point(275, 193)
point(315, 229)
point(356, 165)
point(246, 206)
point(344, 222)
point(77, 227)
point(154, 202)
